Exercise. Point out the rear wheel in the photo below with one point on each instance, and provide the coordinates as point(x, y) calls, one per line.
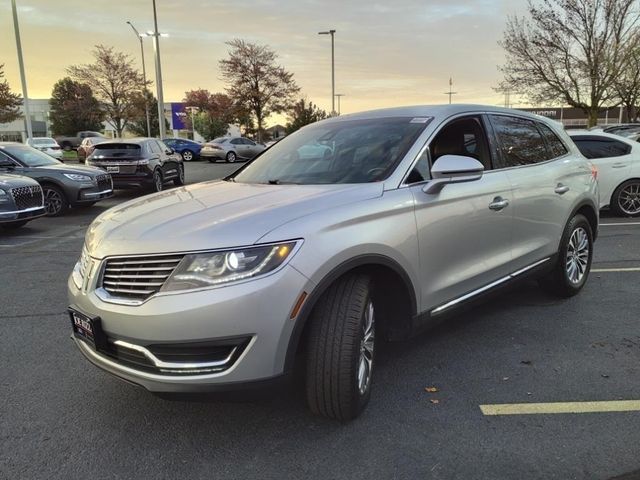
point(158, 181)
point(574, 260)
point(187, 155)
point(55, 201)
point(179, 180)
point(341, 349)
point(625, 201)
point(231, 157)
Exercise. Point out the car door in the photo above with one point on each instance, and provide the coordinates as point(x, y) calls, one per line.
point(252, 148)
point(612, 158)
point(545, 179)
point(238, 146)
point(169, 163)
point(465, 230)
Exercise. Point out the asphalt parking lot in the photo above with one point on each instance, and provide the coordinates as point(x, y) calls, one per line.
point(60, 417)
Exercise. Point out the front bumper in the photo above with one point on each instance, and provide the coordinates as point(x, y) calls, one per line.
point(258, 310)
point(19, 215)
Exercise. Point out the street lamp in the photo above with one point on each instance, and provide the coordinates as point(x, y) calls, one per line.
point(338, 95)
point(144, 76)
point(156, 50)
point(191, 109)
point(333, 71)
point(25, 96)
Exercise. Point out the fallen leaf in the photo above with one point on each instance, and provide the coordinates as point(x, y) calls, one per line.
point(604, 375)
point(434, 401)
point(431, 389)
point(526, 362)
point(505, 378)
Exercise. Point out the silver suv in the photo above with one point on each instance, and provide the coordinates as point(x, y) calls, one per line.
point(352, 230)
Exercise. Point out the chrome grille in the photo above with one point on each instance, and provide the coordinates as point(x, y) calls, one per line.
point(27, 197)
point(138, 277)
point(104, 182)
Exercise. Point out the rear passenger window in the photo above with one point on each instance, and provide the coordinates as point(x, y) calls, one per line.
point(519, 140)
point(554, 144)
point(598, 147)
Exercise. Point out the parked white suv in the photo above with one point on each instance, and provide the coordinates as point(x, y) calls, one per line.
point(618, 162)
point(401, 217)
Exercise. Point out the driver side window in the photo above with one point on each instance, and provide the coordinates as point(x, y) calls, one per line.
point(462, 136)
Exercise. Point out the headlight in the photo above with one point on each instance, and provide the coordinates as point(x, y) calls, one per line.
point(3, 196)
point(2, 192)
point(77, 177)
point(200, 270)
point(80, 268)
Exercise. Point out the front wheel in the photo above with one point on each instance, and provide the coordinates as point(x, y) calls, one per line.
point(625, 201)
point(55, 201)
point(574, 260)
point(231, 157)
point(341, 349)
point(187, 155)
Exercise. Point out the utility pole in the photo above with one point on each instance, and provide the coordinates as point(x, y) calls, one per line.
point(338, 95)
point(156, 49)
point(193, 123)
point(23, 79)
point(451, 93)
point(333, 70)
point(144, 76)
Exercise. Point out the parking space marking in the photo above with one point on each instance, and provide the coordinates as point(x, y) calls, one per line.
point(560, 407)
point(611, 270)
point(616, 224)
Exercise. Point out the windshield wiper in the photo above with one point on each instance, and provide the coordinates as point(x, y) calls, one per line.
point(280, 182)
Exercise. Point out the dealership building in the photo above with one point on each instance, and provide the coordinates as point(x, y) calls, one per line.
point(576, 118)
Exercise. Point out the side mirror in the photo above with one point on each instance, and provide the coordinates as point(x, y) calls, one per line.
point(453, 169)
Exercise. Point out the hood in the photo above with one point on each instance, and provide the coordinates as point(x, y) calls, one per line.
point(212, 215)
point(8, 181)
point(64, 168)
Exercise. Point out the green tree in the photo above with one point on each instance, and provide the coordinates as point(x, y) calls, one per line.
point(256, 82)
point(138, 126)
point(210, 127)
point(74, 108)
point(571, 51)
point(9, 102)
point(303, 113)
point(115, 82)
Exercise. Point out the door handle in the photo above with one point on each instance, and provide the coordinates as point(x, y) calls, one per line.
point(498, 204)
point(618, 165)
point(561, 189)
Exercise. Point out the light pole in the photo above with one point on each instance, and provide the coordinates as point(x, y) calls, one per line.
point(193, 124)
point(338, 95)
point(25, 96)
point(144, 76)
point(333, 71)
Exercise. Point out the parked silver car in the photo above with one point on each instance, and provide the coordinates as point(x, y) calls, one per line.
point(413, 213)
point(230, 149)
point(47, 145)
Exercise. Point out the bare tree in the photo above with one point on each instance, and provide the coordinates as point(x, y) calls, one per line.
point(9, 102)
point(571, 51)
point(115, 82)
point(627, 87)
point(256, 82)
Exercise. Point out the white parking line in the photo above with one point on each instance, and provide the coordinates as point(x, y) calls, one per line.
point(616, 224)
point(561, 407)
point(610, 270)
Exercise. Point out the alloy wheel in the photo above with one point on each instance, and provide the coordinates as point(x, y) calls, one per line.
point(157, 179)
point(187, 155)
point(52, 201)
point(367, 345)
point(577, 258)
point(629, 199)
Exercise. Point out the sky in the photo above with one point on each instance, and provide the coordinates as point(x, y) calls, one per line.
point(393, 53)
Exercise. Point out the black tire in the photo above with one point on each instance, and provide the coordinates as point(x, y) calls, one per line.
point(560, 282)
point(12, 225)
point(55, 201)
point(179, 180)
point(336, 342)
point(187, 155)
point(158, 181)
point(231, 157)
point(625, 201)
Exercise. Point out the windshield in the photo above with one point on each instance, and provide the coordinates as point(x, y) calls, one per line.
point(29, 156)
point(348, 151)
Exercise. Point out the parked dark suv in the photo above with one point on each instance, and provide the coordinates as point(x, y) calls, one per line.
point(138, 162)
point(62, 185)
point(21, 200)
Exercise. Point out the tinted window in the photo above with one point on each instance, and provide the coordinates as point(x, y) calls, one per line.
point(554, 144)
point(237, 141)
point(341, 151)
point(465, 136)
point(246, 141)
point(519, 141)
point(154, 147)
point(599, 147)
